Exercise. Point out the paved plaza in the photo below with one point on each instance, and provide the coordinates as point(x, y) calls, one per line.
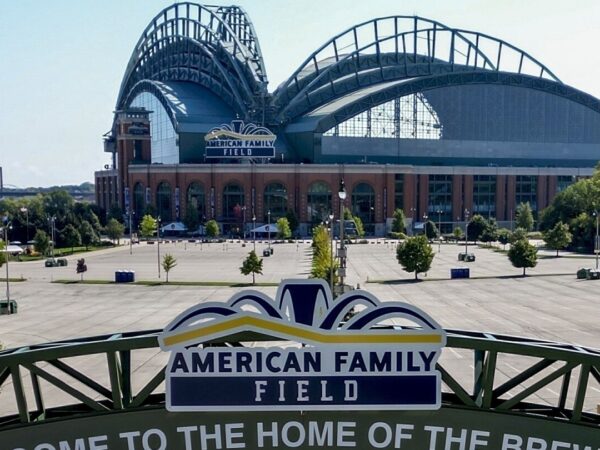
point(548, 304)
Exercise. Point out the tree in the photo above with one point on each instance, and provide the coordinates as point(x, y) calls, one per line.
point(398, 223)
point(458, 233)
point(71, 237)
point(192, 218)
point(322, 265)
point(431, 230)
point(292, 220)
point(168, 263)
point(81, 267)
point(504, 236)
point(524, 216)
point(415, 255)
point(147, 226)
point(283, 228)
point(360, 228)
point(115, 230)
point(42, 242)
point(212, 228)
point(490, 233)
point(523, 254)
point(519, 234)
point(477, 226)
point(252, 265)
point(558, 237)
point(115, 212)
point(88, 234)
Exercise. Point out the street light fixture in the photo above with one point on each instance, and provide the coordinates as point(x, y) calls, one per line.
point(254, 232)
point(597, 241)
point(52, 222)
point(130, 213)
point(7, 254)
point(331, 252)
point(466, 232)
point(439, 213)
point(342, 249)
point(413, 214)
point(158, 243)
point(269, 229)
point(26, 211)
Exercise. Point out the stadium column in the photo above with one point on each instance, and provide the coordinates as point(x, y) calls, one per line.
point(501, 213)
point(552, 187)
point(542, 192)
point(468, 193)
point(457, 196)
point(409, 195)
point(423, 195)
point(511, 194)
point(389, 197)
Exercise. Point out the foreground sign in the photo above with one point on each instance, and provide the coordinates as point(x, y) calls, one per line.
point(240, 140)
point(342, 364)
point(445, 429)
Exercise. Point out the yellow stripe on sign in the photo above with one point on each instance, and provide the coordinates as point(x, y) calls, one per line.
point(301, 333)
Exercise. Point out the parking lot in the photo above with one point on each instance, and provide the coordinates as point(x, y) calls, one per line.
point(550, 303)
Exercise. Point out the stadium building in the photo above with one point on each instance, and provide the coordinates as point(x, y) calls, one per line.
point(409, 112)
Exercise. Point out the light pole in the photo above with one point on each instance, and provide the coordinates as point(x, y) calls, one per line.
point(331, 252)
point(596, 243)
point(52, 221)
point(244, 222)
point(130, 233)
point(439, 213)
point(425, 217)
point(269, 229)
point(413, 215)
point(158, 243)
point(6, 254)
point(254, 232)
point(466, 232)
point(342, 249)
point(26, 211)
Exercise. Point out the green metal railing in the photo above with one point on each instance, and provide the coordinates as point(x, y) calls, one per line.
point(575, 368)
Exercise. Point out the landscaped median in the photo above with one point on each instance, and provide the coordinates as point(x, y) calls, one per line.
point(170, 283)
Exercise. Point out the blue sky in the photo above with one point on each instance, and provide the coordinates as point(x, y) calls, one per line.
point(61, 61)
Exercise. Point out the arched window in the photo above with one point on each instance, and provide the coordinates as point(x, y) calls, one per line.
point(163, 201)
point(275, 201)
point(233, 202)
point(318, 202)
point(196, 199)
point(363, 204)
point(139, 202)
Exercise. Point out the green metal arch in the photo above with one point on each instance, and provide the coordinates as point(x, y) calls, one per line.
point(576, 367)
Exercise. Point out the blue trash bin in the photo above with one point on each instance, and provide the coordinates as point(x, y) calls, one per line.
point(132, 276)
point(119, 276)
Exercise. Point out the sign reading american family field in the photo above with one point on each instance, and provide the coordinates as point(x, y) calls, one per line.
point(240, 140)
point(354, 364)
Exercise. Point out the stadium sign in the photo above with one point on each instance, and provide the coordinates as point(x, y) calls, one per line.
point(338, 364)
point(240, 140)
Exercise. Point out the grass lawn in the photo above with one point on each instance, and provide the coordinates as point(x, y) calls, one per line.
point(59, 253)
point(170, 283)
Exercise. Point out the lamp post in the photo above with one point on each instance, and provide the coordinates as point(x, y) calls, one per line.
point(466, 231)
point(244, 222)
point(413, 214)
point(158, 243)
point(254, 232)
point(439, 213)
point(425, 217)
point(52, 222)
point(331, 252)
point(130, 232)
point(342, 249)
point(26, 211)
point(269, 229)
point(596, 243)
point(6, 254)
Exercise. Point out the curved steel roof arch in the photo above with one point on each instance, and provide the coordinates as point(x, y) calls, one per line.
point(460, 50)
point(226, 32)
point(211, 73)
point(325, 118)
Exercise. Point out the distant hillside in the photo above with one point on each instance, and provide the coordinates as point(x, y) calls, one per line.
point(83, 188)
